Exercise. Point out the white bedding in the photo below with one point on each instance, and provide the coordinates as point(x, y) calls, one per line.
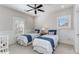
point(43, 46)
point(22, 40)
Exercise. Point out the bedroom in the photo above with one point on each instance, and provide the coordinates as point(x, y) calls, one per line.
point(14, 15)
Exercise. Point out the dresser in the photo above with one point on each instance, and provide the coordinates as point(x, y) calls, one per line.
point(4, 44)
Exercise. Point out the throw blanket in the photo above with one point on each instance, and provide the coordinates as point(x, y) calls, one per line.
point(50, 40)
point(29, 37)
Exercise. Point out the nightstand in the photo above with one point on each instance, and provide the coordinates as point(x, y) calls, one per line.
point(43, 33)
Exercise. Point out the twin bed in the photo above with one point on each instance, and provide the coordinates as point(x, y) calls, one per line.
point(26, 39)
point(43, 44)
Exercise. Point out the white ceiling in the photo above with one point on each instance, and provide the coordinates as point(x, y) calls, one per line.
point(46, 7)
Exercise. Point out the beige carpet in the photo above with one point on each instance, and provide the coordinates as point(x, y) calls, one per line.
point(61, 49)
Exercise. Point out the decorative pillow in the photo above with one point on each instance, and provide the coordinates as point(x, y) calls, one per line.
point(52, 32)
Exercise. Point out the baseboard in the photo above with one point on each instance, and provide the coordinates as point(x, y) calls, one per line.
point(12, 44)
point(66, 44)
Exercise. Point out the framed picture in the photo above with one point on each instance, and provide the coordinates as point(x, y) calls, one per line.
point(64, 22)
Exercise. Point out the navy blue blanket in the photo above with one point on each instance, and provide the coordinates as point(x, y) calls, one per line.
point(29, 37)
point(48, 39)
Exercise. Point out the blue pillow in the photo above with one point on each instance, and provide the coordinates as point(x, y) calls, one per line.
point(55, 31)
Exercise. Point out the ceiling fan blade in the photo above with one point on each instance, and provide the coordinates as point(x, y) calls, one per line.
point(41, 10)
point(30, 6)
point(29, 10)
point(35, 12)
point(35, 5)
point(39, 6)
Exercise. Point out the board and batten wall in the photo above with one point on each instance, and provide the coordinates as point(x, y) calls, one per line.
point(6, 22)
point(50, 19)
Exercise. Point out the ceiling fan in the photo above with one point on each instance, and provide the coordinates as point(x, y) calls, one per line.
point(36, 8)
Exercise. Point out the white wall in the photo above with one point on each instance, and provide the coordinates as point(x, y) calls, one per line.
point(6, 21)
point(50, 19)
point(76, 28)
point(45, 19)
point(66, 35)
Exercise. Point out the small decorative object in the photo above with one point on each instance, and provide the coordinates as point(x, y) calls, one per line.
point(64, 22)
point(37, 30)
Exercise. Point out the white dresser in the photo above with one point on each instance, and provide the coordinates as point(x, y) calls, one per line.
point(4, 44)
